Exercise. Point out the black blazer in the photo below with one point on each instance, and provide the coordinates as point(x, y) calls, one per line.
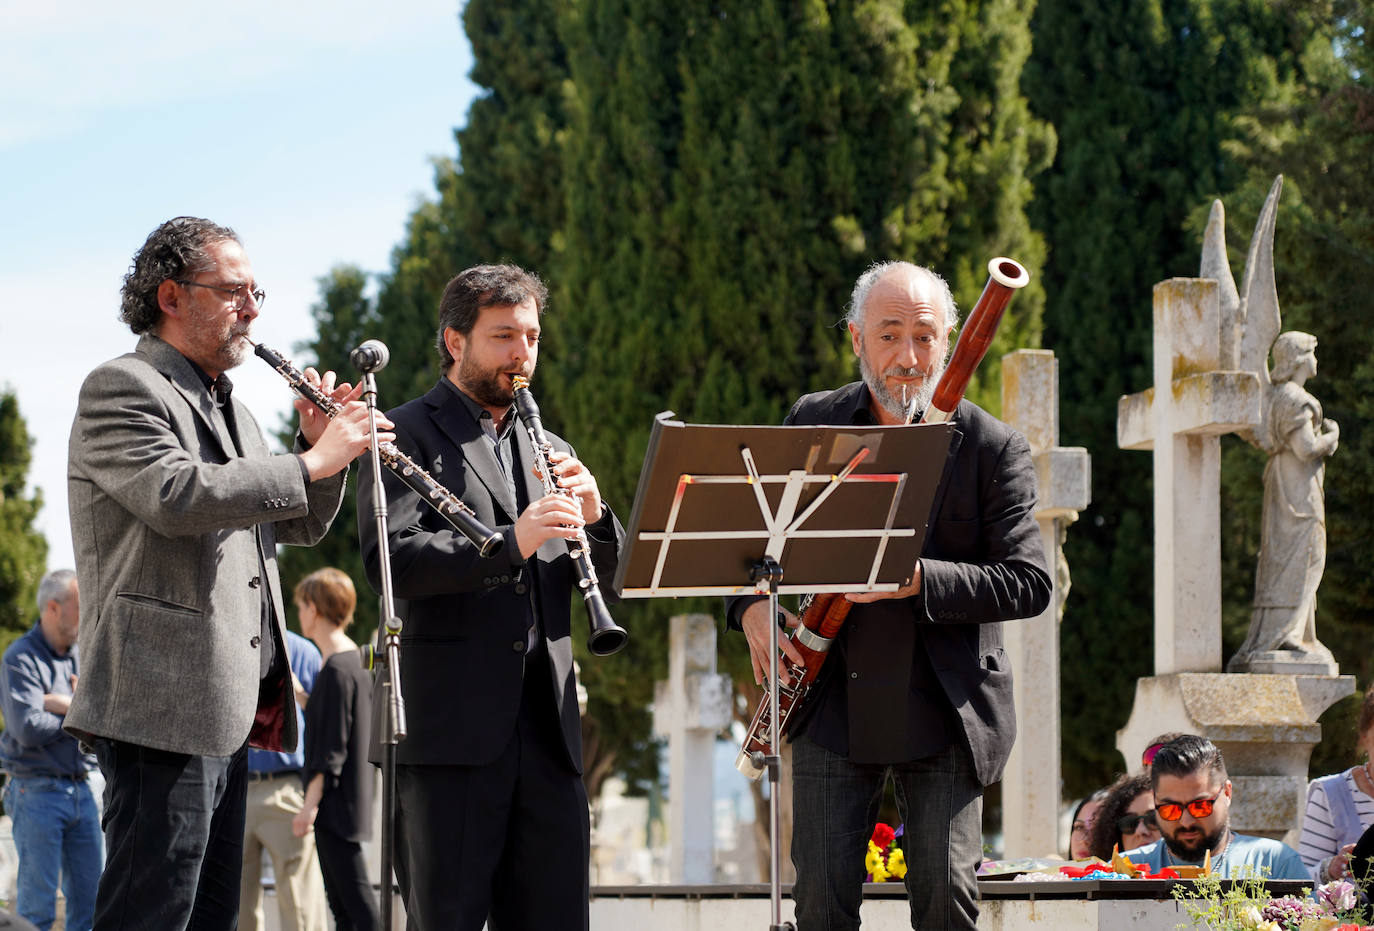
point(982, 563)
point(463, 639)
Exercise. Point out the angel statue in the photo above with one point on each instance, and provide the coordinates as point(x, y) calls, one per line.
point(1297, 439)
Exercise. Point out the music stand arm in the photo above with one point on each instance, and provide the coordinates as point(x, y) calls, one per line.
point(768, 569)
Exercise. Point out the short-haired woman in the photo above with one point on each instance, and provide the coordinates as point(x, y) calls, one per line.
point(338, 779)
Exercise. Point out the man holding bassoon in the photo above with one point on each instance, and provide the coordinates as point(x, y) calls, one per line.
point(917, 684)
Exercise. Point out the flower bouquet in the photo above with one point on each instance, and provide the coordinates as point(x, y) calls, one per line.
point(884, 859)
point(1247, 906)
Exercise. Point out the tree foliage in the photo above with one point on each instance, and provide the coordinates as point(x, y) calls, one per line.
point(23, 550)
point(729, 171)
point(700, 184)
point(1154, 103)
point(1319, 137)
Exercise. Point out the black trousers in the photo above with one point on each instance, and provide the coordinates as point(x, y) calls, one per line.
point(346, 883)
point(173, 839)
point(506, 843)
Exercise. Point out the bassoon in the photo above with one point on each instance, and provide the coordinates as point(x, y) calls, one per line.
point(823, 615)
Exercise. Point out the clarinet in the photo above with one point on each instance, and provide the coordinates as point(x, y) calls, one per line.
point(449, 505)
point(823, 615)
point(606, 636)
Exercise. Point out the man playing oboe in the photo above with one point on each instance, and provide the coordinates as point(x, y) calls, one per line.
point(176, 508)
point(916, 685)
point(492, 818)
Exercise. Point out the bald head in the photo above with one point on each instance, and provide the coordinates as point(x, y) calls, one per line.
point(898, 282)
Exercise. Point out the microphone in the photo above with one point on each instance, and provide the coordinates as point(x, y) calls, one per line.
point(371, 356)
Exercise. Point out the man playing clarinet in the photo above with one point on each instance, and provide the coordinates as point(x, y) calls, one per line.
point(492, 822)
point(176, 508)
point(917, 685)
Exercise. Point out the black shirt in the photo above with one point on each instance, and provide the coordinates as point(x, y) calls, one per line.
point(338, 724)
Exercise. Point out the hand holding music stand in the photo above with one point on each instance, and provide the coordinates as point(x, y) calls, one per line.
point(727, 510)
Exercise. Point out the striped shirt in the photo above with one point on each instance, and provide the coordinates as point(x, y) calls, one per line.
point(1319, 833)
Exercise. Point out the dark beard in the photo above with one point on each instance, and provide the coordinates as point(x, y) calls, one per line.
point(484, 385)
point(1193, 851)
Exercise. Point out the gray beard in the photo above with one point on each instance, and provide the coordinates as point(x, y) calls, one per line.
point(903, 408)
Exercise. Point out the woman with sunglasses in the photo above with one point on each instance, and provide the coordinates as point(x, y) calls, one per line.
point(1126, 819)
point(1340, 808)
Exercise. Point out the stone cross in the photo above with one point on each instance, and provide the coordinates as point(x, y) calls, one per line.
point(690, 708)
point(1195, 399)
point(1030, 787)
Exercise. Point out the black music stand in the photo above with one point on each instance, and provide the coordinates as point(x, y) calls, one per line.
point(727, 510)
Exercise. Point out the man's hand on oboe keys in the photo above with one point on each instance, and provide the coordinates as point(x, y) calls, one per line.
point(339, 440)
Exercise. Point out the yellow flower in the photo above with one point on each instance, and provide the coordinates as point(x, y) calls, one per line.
point(874, 862)
point(1318, 923)
point(896, 863)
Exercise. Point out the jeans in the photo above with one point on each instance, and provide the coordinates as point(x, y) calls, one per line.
point(56, 829)
point(174, 827)
point(835, 806)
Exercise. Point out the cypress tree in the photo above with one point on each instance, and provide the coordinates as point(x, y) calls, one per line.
point(1319, 138)
point(730, 170)
point(1150, 101)
point(23, 550)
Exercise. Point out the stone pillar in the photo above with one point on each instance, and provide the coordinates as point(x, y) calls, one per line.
point(1264, 724)
point(1180, 420)
point(1031, 785)
point(690, 709)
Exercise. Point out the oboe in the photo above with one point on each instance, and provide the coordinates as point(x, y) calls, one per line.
point(606, 636)
point(449, 505)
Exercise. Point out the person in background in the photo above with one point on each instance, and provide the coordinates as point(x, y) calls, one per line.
point(1148, 756)
point(48, 794)
point(1126, 819)
point(339, 782)
point(1193, 805)
point(275, 797)
point(1081, 825)
point(1340, 808)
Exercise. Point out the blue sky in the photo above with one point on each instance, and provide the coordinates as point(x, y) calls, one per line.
point(309, 127)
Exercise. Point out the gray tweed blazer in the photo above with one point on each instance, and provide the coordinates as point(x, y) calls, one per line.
point(168, 522)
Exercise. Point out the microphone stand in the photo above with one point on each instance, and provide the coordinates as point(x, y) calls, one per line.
point(387, 652)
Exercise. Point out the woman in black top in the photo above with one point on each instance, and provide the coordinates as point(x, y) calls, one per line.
point(338, 778)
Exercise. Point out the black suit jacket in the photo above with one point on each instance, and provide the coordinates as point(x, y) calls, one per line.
point(463, 641)
point(982, 563)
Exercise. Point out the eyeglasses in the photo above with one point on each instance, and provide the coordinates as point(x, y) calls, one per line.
point(1129, 824)
point(1199, 807)
point(241, 293)
point(1148, 756)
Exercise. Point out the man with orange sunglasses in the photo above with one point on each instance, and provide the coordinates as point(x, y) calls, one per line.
point(1193, 810)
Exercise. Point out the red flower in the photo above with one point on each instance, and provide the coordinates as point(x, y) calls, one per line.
point(883, 835)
